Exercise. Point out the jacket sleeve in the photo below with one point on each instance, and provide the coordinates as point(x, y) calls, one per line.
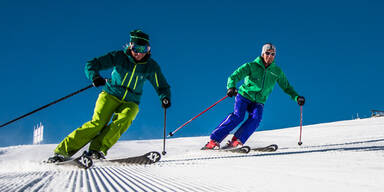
point(93, 67)
point(238, 75)
point(159, 82)
point(286, 87)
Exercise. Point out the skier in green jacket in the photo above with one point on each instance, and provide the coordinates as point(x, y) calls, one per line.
point(119, 99)
point(260, 76)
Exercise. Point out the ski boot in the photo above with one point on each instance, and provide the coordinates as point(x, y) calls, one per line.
point(234, 143)
point(95, 154)
point(57, 158)
point(211, 145)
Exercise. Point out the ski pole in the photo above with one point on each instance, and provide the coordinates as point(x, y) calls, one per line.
point(165, 130)
point(301, 124)
point(172, 133)
point(45, 106)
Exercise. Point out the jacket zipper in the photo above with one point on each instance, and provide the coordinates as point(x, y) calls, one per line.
point(262, 83)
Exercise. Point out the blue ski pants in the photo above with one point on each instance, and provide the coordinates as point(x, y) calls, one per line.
point(255, 112)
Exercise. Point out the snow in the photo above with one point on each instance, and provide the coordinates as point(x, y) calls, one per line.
point(337, 156)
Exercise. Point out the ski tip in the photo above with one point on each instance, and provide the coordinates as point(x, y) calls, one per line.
point(274, 146)
point(269, 148)
point(85, 161)
point(245, 149)
point(153, 156)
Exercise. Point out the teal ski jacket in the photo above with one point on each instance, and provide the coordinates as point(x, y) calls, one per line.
point(128, 76)
point(259, 81)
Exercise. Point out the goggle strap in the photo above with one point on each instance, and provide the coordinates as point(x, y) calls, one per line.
point(136, 37)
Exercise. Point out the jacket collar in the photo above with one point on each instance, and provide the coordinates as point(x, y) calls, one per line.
point(259, 61)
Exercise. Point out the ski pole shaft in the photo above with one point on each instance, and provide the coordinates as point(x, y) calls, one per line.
point(45, 106)
point(172, 133)
point(301, 124)
point(165, 130)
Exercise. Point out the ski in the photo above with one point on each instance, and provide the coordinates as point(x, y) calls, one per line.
point(247, 149)
point(269, 148)
point(148, 158)
point(82, 161)
point(243, 149)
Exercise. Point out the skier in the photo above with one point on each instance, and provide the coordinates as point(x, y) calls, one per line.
point(260, 76)
point(120, 97)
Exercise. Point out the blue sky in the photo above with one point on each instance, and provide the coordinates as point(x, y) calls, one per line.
point(330, 51)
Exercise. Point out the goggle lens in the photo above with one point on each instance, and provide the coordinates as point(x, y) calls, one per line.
point(140, 48)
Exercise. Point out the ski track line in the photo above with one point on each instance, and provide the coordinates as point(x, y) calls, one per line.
point(6, 182)
point(17, 181)
point(178, 182)
point(87, 181)
point(335, 144)
point(113, 179)
point(101, 181)
point(5, 186)
point(95, 181)
point(152, 178)
point(129, 183)
point(36, 183)
point(69, 184)
point(125, 184)
point(108, 181)
point(159, 180)
point(91, 180)
point(79, 181)
point(159, 186)
point(183, 182)
point(211, 186)
point(135, 179)
point(53, 182)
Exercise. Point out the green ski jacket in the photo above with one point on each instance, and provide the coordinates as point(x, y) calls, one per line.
point(128, 77)
point(259, 81)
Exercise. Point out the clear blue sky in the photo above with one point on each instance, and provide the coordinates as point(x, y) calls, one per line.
point(330, 51)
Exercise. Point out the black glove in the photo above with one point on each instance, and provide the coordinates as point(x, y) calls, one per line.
point(232, 92)
point(300, 100)
point(98, 81)
point(165, 103)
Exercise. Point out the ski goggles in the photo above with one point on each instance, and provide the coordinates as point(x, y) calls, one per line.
point(140, 48)
point(269, 53)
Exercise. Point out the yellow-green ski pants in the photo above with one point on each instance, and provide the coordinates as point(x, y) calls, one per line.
point(97, 131)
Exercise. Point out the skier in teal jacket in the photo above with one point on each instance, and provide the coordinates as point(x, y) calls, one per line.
point(119, 99)
point(260, 76)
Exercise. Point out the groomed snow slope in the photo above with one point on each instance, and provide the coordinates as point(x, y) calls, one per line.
point(339, 156)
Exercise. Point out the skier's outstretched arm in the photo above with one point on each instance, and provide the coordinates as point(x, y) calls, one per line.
point(286, 87)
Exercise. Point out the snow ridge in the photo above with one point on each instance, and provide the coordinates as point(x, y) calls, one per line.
point(338, 156)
